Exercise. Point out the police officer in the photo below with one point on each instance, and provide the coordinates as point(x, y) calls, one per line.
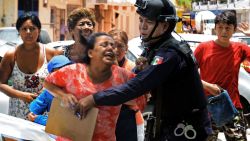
point(180, 105)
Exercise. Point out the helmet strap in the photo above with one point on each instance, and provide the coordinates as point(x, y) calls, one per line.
point(149, 38)
point(151, 34)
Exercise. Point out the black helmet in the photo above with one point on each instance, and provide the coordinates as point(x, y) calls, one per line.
point(160, 10)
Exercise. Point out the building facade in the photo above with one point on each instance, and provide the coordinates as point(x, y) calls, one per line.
point(242, 7)
point(115, 14)
point(110, 14)
point(51, 12)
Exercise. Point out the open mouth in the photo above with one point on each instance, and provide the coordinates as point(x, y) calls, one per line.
point(224, 36)
point(86, 33)
point(110, 55)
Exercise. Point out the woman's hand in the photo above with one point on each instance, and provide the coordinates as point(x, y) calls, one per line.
point(68, 100)
point(28, 97)
point(83, 106)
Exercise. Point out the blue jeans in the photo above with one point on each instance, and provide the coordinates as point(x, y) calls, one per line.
point(221, 108)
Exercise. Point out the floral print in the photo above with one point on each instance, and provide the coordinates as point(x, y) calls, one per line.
point(32, 83)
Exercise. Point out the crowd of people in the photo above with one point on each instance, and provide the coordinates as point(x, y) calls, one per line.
point(94, 72)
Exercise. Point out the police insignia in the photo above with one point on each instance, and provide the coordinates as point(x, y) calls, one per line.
point(157, 60)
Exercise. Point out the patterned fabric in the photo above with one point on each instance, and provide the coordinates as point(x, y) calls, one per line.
point(27, 83)
point(75, 80)
point(234, 131)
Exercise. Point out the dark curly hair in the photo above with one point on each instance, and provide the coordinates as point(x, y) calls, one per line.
point(78, 14)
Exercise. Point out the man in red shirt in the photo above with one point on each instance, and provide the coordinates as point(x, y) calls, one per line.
point(219, 63)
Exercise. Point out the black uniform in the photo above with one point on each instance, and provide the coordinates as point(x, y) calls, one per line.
point(176, 85)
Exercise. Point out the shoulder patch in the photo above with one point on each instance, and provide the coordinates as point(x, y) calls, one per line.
point(157, 60)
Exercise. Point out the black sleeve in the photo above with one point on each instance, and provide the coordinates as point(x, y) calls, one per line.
point(144, 81)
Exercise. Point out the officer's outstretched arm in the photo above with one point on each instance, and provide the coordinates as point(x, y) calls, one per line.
point(146, 80)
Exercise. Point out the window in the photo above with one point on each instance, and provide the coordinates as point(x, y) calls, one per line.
point(27, 6)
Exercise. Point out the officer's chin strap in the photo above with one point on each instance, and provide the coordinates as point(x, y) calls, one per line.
point(152, 32)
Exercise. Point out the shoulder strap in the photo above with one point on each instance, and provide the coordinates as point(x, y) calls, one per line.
point(15, 54)
point(14, 57)
point(44, 52)
point(181, 47)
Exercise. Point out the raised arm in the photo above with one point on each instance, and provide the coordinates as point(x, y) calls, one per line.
point(244, 28)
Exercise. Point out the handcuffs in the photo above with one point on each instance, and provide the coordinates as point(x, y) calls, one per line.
point(185, 129)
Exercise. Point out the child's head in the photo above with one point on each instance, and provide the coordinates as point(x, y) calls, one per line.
point(225, 27)
point(57, 62)
point(226, 17)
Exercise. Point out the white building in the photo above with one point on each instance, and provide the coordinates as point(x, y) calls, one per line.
point(242, 7)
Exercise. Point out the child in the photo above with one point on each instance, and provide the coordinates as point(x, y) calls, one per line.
point(43, 102)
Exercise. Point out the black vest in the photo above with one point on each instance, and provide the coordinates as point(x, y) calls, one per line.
point(193, 97)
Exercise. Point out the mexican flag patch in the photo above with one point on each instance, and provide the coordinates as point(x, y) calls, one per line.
point(157, 60)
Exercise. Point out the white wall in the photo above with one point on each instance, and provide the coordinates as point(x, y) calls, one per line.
point(9, 8)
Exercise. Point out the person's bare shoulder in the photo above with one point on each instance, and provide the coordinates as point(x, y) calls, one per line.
point(51, 52)
point(6, 65)
point(9, 55)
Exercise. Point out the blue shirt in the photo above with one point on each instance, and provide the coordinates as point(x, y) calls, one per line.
point(40, 105)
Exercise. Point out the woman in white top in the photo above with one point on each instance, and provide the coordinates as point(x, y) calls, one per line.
point(25, 66)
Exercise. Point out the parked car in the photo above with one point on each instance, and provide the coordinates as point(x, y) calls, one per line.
point(135, 49)
point(59, 44)
point(16, 129)
point(242, 38)
point(9, 38)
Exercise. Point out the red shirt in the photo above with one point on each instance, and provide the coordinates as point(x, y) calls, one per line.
point(220, 65)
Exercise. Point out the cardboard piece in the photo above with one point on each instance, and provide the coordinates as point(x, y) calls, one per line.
point(63, 122)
